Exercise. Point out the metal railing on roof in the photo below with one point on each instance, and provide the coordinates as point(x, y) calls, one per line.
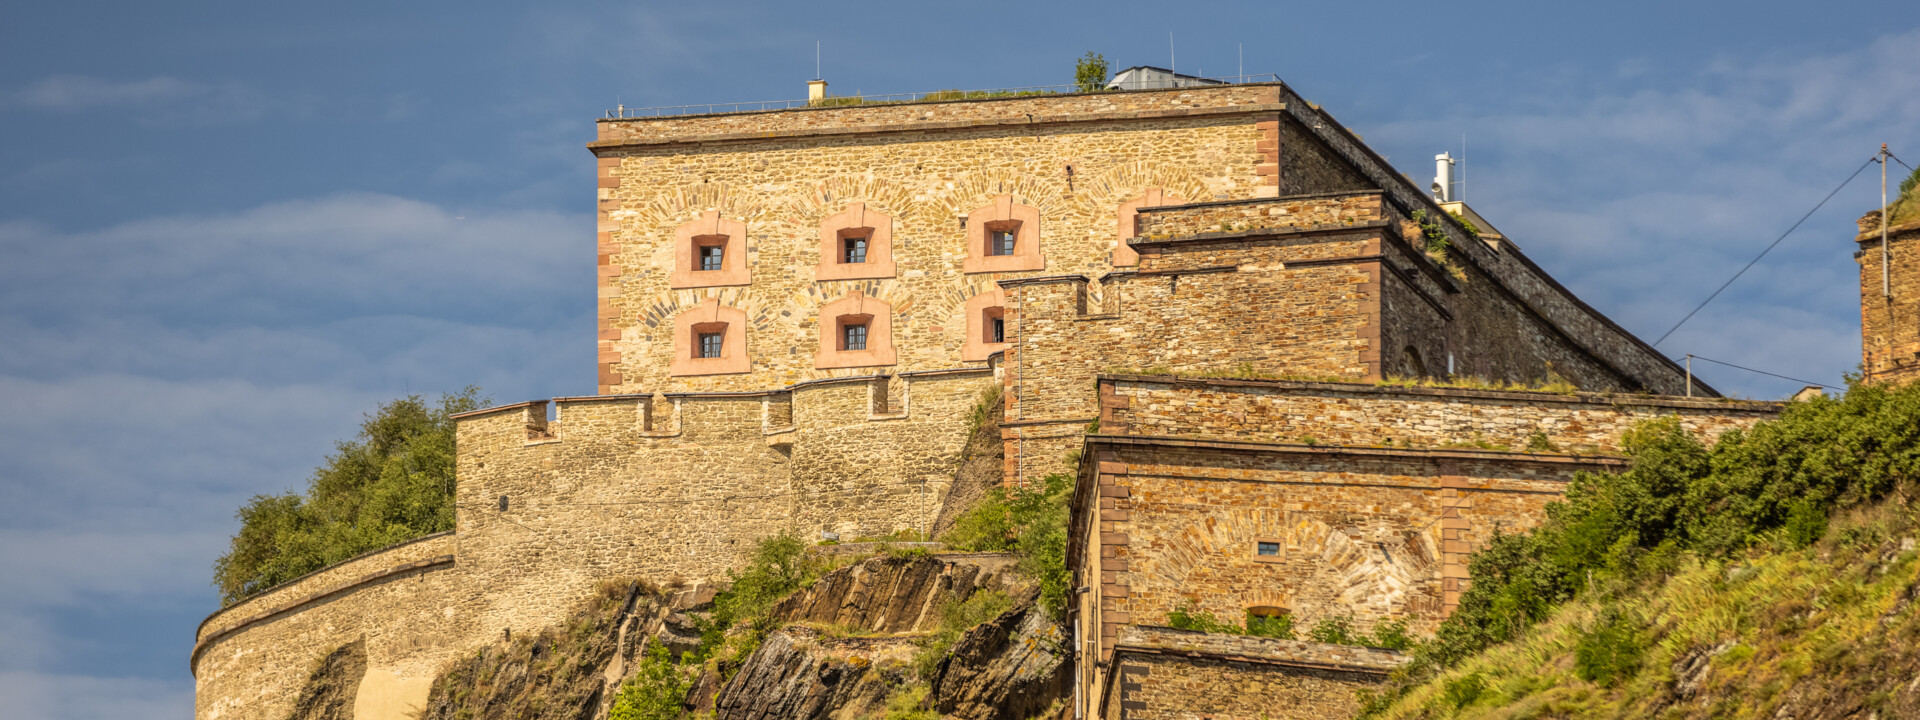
point(622, 111)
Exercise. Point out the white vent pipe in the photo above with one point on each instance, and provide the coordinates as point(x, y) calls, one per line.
point(1443, 177)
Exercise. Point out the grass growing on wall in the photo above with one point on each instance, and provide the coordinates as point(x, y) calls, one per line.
point(392, 482)
point(1621, 547)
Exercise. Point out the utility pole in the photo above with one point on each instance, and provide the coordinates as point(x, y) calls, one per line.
point(1886, 254)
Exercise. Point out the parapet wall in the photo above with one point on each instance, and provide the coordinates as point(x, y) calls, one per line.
point(407, 602)
point(1174, 674)
point(1397, 415)
point(862, 118)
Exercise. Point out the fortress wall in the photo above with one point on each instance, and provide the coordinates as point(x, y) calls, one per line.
point(863, 470)
point(1042, 108)
point(1175, 675)
point(1890, 347)
point(1076, 176)
point(1371, 415)
point(253, 658)
point(1375, 533)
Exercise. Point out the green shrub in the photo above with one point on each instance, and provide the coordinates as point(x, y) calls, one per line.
point(1184, 618)
point(1337, 630)
point(1029, 521)
point(1273, 626)
point(392, 483)
point(1391, 634)
point(1777, 481)
point(1464, 690)
point(656, 690)
point(1610, 651)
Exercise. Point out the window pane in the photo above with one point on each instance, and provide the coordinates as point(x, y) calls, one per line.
point(997, 330)
point(856, 251)
point(1269, 548)
point(856, 338)
point(710, 344)
point(999, 242)
point(711, 256)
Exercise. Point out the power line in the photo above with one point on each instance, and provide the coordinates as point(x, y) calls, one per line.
point(1763, 253)
point(1762, 372)
point(1903, 163)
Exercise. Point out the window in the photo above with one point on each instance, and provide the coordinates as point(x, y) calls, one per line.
point(999, 242)
point(986, 326)
point(710, 339)
point(854, 250)
point(997, 330)
point(1267, 548)
point(709, 345)
point(712, 257)
point(853, 337)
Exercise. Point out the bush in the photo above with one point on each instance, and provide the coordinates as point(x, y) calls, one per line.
point(1030, 522)
point(1334, 631)
point(779, 565)
point(1610, 651)
point(1777, 482)
point(1274, 626)
point(392, 483)
point(656, 690)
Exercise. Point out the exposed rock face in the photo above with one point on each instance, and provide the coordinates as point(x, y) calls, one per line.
point(886, 594)
point(1010, 668)
point(563, 673)
point(799, 674)
point(330, 690)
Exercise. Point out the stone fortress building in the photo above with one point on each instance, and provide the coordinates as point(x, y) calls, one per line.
point(1200, 302)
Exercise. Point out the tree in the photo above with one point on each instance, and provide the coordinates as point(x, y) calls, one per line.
point(1090, 73)
point(393, 482)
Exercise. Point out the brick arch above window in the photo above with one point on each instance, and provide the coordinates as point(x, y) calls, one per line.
point(982, 310)
point(872, 228)
point(1128, 223)
point(707, 319)
point(695, 237)
point(1003, 215)
point(873, 314)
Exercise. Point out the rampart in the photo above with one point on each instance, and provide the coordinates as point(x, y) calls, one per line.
point(554, 496)
point(1173, 674)
point(1401, 415)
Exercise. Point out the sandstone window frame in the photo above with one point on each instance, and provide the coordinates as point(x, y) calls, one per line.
point(1005, 215)
point(1279, 550)
point(706, 318)
point(710, 230)
point(856, 309)
point(980, 310)
point(856, 221)
point(1127, 223)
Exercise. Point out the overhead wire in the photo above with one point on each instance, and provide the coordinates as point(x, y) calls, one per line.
point(1763, 253)
point(1751, 370)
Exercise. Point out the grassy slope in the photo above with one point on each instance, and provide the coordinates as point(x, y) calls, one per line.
point(1830, 630)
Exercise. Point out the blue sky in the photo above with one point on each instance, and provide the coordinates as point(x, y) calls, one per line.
point(227, 230)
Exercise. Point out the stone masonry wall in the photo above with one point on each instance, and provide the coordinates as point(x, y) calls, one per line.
point(251, 659)
point(931, 115)
point(1374, 415)
point(1360, 530)
point(1889, 323)
point(1075, 175)
point(1166, 674)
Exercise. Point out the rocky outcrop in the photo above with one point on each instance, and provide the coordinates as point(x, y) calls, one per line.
point(888, 594)
point(1013, 667)
point(329, 692)
point(801, 674)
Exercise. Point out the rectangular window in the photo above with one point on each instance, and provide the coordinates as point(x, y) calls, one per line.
point(854, 337)
point(855, 250)
point(711, 256)
point(1268, 548)
point(999, 242)
point(997, 330)
point(710, 344)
